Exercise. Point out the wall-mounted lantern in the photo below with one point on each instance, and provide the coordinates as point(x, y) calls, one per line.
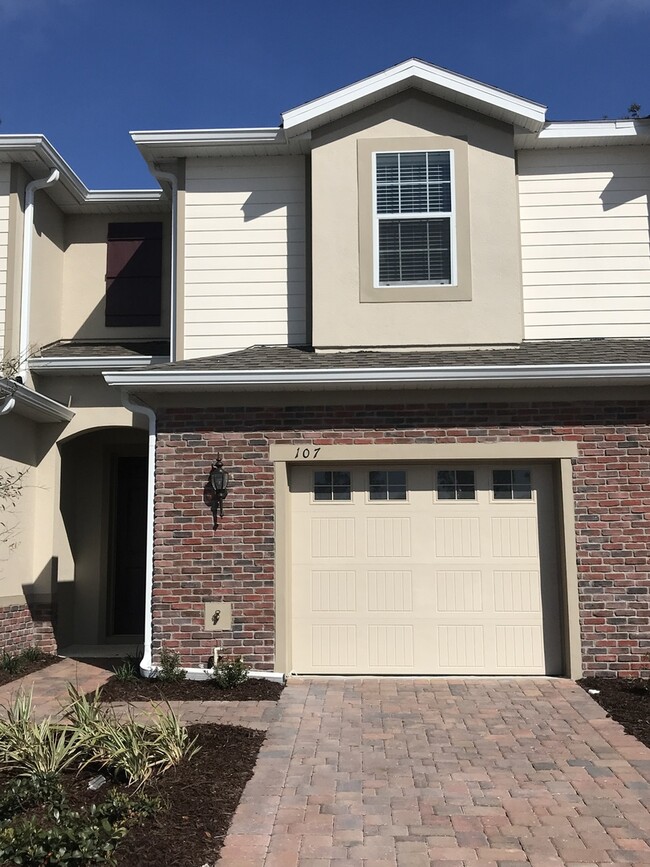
point(219, 479)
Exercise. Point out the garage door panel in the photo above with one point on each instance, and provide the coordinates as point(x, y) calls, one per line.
point(332, 537)
point(390, 591)
point(459, 591)
point(422, 585)
point(333, 591)
point(514, 536)
point(388, 536)
point(517, 592)
point(457, 536)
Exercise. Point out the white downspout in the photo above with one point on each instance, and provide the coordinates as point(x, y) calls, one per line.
point(26, 277)
point(172, 180)
point(145, 663)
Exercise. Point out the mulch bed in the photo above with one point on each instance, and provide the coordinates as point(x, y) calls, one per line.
point(27, 668)
point(200, 796)
point(627, 700)
point(151, 689)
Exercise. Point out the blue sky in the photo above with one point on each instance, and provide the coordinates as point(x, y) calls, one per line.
point(85, 72)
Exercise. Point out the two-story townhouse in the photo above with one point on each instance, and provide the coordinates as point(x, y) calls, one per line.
point(413, 322)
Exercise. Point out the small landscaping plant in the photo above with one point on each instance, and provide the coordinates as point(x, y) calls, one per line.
point(127, 671)
point(170, 669)
point(129, 750)
point(13, 665)
point(229, 672)
point(40, 750)
point(63, 836)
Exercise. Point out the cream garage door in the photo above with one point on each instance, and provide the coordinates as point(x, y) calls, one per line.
point(423, 569)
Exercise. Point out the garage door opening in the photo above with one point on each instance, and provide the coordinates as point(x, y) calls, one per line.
point(424, 569)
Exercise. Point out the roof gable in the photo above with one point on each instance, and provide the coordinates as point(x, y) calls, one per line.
point(422, 76)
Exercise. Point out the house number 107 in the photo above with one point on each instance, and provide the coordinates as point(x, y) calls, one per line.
point(306, 454)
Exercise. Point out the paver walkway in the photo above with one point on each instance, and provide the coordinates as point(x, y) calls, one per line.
point(443, 773)
point(49, 686)
point(49, 690)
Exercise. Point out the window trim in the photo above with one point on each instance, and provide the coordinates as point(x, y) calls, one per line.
point(369, 292)
point(418, 215)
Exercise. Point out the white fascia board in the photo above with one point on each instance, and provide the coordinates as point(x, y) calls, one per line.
point(35, 405)
point(585, 133)
point(245, 135)
point(496, 375)
point(92, 364)
point(530, 115)
point(52, 159)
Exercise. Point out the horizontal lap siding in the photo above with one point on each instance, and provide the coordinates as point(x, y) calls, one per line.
point(4, 242)
point(245, 259)
point(585, 242)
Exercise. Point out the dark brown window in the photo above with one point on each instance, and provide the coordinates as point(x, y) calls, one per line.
point(133, 274)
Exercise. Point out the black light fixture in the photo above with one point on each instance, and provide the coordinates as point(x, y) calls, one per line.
point(219, 479)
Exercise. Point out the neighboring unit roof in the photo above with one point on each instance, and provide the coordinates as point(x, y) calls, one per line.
point(38, 157)
point(418, 74)
point(89, 356)
point(275, 366)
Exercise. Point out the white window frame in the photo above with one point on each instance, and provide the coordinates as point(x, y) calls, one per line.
point(423, 215)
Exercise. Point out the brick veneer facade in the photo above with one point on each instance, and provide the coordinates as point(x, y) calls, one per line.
point(23, 626)
point(193, 563)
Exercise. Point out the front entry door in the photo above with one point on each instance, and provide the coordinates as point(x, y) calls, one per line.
point(129, 540)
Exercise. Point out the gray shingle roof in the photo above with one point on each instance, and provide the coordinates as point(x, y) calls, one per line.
point(531, 352)
point(95, 349)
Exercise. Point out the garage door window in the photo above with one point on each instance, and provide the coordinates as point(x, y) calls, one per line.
point(387, 485)
point(511, 485)
point(456, 485)
point(332, 485)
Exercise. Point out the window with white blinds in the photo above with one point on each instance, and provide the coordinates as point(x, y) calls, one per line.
point(414, 218)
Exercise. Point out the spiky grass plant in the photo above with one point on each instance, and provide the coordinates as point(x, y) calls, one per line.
point(36, 749)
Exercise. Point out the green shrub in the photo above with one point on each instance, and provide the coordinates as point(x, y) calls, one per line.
point(170, 668)
point(229, 672)
point(33, 654)
point(68, 837)
point(21, 793)
point(11, 663)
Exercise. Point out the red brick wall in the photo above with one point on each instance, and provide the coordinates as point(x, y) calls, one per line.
point(193, 563)
point(22, 627)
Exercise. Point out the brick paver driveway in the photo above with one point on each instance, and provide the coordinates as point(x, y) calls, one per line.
point(443, 772)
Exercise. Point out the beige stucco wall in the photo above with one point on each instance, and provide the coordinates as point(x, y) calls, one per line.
point(84, 278)
point(493, 314)
point(47, 272)
point(20, 452)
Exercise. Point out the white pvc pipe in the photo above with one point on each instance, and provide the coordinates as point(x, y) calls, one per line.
point(172, 180)
point(26, 276)
point(145, 663)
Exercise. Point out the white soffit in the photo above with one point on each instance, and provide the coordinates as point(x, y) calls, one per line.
point(423, 76)
point(38, 156)
point(158, 145)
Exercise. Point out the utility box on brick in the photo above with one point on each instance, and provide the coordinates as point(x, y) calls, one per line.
point(218, 616)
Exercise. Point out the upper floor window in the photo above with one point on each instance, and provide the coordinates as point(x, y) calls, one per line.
point(414, 218)
point(133, 274)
